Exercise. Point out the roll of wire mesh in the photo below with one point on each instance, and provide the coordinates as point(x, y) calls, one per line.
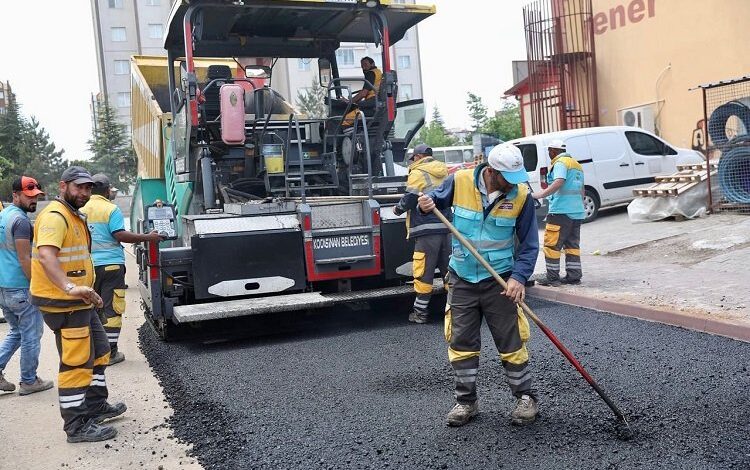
point(717, 123)
point(734, 170)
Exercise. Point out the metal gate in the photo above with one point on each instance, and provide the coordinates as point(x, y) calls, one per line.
point(562, 65)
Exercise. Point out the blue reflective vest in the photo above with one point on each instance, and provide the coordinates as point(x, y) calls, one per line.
point(11, 274)
point(492, 236)
point(568, 199)
point(105, 249)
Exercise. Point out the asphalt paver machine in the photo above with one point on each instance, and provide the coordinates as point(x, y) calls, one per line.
point(268, 209)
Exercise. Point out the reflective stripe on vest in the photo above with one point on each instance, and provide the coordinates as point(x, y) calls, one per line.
point(11, 274)
point(492, 236)
point(74, 258)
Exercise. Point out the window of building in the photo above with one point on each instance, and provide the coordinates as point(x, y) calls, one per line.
point(118, 34)
point(405, 92)
point(644, 144)
point(155, 30)
point(123, 99)
point(122, 67)
point(153, 3)
point(345, 57)
point(2, 94)
point(2, 110)
point(404, 62)
point(303, 65)
point(115, 3)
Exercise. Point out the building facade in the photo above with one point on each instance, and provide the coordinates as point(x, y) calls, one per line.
point(649, 54)
point(4, 96)
point(123, 28)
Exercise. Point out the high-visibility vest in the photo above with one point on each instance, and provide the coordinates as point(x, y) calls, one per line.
point(105, 249)
point(74, 257)
point(424, 176)
point(492, 236)
point(11, 274)
point(376, 84)
point(569, 198)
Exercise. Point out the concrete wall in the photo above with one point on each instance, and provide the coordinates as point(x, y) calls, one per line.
point(650, 52)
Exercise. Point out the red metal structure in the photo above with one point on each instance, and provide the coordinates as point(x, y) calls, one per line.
point(562, 65)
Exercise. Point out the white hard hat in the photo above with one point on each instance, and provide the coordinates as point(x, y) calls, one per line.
point(507, 159)
point(557, 144)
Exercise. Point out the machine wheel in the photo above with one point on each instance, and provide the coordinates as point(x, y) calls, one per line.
point(591, 204)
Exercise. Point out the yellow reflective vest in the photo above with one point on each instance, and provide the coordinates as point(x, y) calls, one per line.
point(74, 257)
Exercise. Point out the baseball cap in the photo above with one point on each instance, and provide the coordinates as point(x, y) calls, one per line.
point(421, 149)
point(557, 144)
point(27, 185)
point(77, 175)
point(507, 159)
point(102, 181)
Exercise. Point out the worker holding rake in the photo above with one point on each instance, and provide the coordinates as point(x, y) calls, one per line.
point(491, 207)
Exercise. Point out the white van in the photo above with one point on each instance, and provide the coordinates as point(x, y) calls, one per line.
point(615, 160)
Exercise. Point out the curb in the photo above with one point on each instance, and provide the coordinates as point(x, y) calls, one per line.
point(727, 328)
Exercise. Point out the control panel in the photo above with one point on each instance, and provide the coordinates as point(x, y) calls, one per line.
point(161, 217)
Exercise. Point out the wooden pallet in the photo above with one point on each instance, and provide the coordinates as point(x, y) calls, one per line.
point(675, 184)
point(698, 166)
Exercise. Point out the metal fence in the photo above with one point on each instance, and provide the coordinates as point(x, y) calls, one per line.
point(726, 143)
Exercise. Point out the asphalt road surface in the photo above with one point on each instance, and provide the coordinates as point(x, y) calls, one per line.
point(367, 389)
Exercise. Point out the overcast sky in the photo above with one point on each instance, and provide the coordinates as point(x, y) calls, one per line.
point(47, 53)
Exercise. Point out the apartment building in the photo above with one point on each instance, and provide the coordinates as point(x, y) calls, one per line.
point(4, 96)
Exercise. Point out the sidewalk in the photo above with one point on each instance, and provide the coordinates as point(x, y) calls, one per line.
point(696, 269)
point(33, 435)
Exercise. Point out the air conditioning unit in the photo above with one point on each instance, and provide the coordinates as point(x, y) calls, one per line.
point(639, 116)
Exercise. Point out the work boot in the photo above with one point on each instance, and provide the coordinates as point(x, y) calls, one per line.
point(39, 385)
point(525, 411)
point(108, 411)
point(544, 281)
point(567, 280)
point(116, 358)
point(418, 317)
point(461, 414)
point(92, 432)
point(6, 386)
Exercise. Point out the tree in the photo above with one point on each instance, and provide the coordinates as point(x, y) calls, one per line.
point(12, 127)
point(506, 123)
point(312, 100)
point(477, 111)
point(434, 133)
point(112, 152)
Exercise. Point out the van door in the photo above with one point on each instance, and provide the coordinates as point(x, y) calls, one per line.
point(651, 156)
point(611, 162)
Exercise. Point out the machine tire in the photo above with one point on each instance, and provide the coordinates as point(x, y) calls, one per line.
point(591, 204)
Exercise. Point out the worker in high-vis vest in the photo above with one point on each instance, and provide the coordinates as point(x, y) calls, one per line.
point(562, 234)
point(365, 97)
point(492, 206)
point(62, 280)
point(25, 320)
point(107, 226)
point(431, 238)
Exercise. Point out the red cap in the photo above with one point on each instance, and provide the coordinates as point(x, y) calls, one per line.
point(28, 186)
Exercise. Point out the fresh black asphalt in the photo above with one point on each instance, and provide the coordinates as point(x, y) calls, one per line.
point(367, 389)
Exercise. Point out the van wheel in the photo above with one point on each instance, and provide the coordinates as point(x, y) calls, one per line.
point(591, 205)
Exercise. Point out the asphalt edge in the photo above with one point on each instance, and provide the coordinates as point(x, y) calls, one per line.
point(712, 326)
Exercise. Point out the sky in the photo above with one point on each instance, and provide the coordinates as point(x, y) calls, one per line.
point(48, 55)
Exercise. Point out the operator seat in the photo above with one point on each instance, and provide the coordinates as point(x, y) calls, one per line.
point(211, 105)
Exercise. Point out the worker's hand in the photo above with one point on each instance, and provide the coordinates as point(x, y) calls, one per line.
point(537, 195)
point(154, 237)
point(87, 294)
point(515, 291)
point(426, 204)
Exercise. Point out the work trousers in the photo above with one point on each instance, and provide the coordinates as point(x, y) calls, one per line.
point(110, 285)
point(430, 252)
point(467, 304)
point(562, 235)
point(84, 354)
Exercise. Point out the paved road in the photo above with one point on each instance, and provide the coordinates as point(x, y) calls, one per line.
point(368, 390)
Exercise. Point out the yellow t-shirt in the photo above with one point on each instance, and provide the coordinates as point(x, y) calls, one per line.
point(50, 229)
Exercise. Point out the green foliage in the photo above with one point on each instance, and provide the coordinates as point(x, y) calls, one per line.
point(506, 123)
point(434, 133)
point(477, 111)
point(112, 152)
point(312, 101)
point(26, 149)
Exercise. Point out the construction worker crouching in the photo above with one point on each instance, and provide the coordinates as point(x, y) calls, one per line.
point(562, 232)
point(62, 279)
point(431, 238)
point(107, 226)
point(491, 204)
